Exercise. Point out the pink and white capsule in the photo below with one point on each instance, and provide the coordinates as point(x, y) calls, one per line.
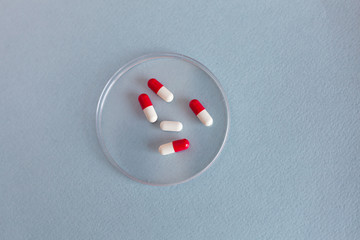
point(160, 90)
point(147, 107)
point(201, 112)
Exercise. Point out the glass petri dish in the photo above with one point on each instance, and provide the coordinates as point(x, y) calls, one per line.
point(131, 143)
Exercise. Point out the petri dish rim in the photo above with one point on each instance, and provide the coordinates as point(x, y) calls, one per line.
point(118, 74)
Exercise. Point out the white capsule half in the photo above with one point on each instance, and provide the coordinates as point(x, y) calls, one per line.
point(150, 114)
point(205, 118)
point(166, 148)
point(171, 126)
point(165, 94)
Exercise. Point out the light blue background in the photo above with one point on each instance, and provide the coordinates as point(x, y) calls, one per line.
point(290, 168)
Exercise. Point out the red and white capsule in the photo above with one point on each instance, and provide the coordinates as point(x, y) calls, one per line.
point(175, 146)
point(160, 90)
point(201, 112)
point(148, 108)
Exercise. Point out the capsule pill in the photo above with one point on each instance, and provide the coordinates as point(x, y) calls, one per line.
point(160, 90)
point(201, 112)
point(148, 108)
point(175, 146)
point(171, 126)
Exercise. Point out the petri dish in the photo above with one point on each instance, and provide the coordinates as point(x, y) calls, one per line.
point(131, 143)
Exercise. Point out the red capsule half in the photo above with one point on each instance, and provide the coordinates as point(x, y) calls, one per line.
point(196, 106)
point(144, 101)
point(154, 85)
point(181, 145)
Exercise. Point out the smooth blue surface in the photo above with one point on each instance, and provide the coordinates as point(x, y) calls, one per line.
point(290, 169)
